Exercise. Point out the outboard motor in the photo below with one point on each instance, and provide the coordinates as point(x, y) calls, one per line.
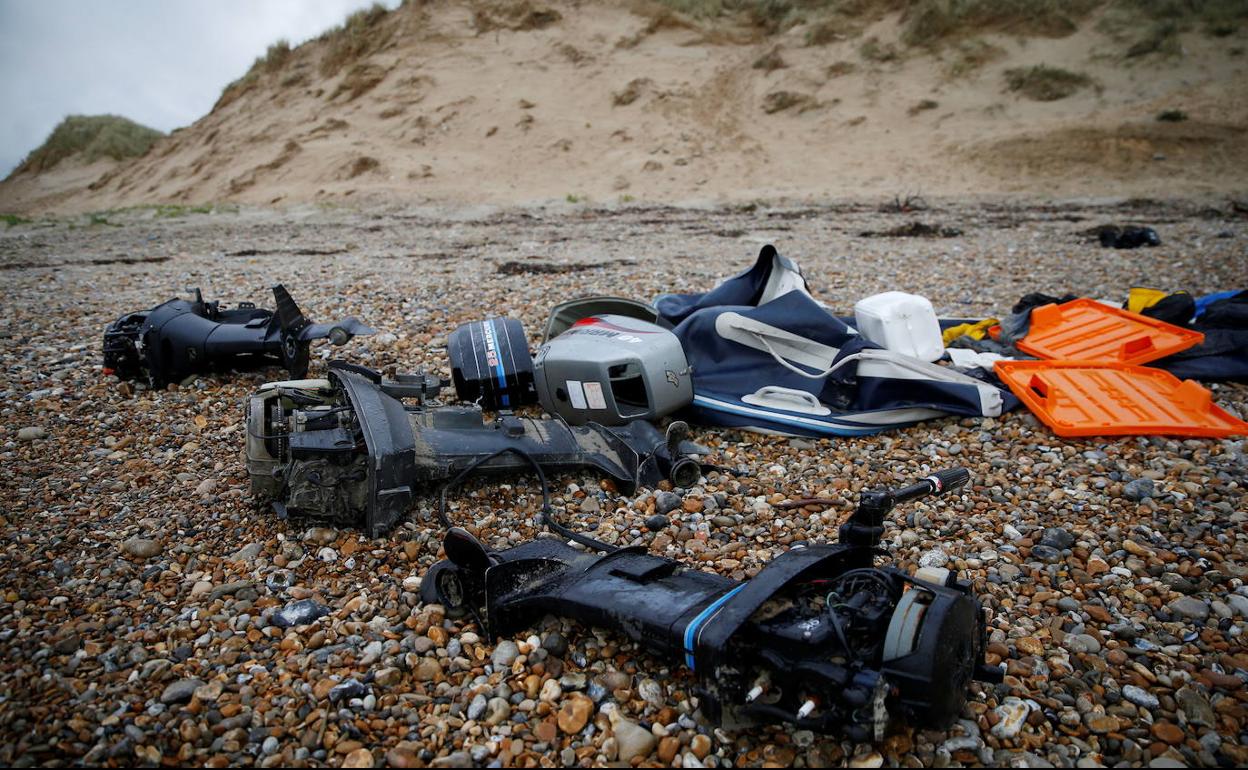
point(822, 638)
point(357, 448)
point(181, 337)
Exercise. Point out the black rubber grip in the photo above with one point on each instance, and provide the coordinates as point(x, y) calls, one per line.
point(938, 483)
point(949, 480)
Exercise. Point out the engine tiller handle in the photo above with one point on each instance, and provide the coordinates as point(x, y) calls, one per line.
point(938, 484)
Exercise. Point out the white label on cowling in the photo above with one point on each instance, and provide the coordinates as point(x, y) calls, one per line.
point(593, 394)
point(576, 394)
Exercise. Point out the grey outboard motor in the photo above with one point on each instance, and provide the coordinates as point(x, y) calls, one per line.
point(821, 638)
point(183, 337)
point(610, 369)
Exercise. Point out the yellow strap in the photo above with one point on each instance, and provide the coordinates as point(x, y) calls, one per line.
point(976, 331)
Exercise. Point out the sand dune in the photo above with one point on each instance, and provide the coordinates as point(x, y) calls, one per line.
point(608, 102)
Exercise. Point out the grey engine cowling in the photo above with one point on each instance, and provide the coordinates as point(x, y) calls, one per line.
point(611, 369)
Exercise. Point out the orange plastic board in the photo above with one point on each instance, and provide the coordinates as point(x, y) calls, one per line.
point(1085, 330)
point(1078, 399)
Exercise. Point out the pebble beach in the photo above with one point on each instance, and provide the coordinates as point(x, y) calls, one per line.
point(152, 613)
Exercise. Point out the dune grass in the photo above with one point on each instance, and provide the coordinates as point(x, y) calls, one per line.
point(925, 22)
point(873, 50)
point(274, 60)
point(90, 137)
point(1044, 83)
point(1153, 27)
point(1144, 27)
point(361, 34)
point(970, 55)
point(769, 15)
point(933, 23)
point(1215, 17)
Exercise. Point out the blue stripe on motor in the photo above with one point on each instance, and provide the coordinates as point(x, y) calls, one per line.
point(692, 629)
point(499, 332)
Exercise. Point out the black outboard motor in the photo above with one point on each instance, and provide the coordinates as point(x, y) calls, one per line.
point(181, 337)
point(357, 448)
point(821, 638)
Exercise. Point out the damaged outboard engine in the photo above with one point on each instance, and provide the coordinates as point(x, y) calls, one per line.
point(348, 449)
point(821, 638)
point(181, 337)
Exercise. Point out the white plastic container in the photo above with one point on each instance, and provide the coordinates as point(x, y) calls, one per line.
point(900, 322)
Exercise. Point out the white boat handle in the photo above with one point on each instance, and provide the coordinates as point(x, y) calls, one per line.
point(792, 399)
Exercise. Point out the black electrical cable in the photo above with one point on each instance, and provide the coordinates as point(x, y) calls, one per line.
point(263, 437)
point(302, 398)
point(869, 575)
point(840, 631)
point(547, 517)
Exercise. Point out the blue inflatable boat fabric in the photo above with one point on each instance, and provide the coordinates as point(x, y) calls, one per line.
point(737, 349)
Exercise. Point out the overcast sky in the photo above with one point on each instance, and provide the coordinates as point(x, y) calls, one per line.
point(161, 63)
